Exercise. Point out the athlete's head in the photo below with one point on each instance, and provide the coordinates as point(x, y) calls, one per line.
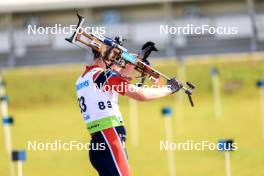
point(127, 71)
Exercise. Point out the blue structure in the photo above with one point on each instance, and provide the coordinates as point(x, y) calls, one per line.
point(225, 145)
point(18, 155)
point(260, 84)
point(4, 98)
point(8, 120)
point(167, 111)
point(214, 71)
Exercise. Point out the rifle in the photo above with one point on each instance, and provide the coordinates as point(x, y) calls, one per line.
point(113, 52)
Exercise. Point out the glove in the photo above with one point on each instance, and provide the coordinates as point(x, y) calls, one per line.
point(174, 84)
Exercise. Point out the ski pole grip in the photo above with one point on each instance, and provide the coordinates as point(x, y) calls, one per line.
point(188, 92)
point(192, 86)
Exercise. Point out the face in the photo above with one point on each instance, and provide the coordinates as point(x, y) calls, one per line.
point(127, 71)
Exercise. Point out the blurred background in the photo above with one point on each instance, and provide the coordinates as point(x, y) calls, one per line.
point(40, 71)
point(132, 19)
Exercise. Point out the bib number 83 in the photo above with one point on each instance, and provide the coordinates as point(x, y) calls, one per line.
point(102, 105)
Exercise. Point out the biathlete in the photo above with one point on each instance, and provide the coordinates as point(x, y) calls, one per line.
point(97, 90)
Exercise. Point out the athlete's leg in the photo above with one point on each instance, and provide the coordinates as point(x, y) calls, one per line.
point(109, 162)
point(103, 163)
point(115, 144)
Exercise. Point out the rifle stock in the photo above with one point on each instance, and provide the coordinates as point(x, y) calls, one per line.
point(113, 53)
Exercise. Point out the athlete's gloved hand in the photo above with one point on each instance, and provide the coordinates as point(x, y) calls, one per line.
point(174, 84)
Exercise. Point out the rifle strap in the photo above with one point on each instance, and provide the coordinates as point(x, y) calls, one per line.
point(106, 55)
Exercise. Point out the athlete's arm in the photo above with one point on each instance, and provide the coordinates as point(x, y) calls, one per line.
point(122, 86)
point(146, 94)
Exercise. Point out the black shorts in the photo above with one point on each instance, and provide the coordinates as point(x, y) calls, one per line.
point(107, 152)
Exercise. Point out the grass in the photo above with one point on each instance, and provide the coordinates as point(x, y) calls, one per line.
point(44, 105)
